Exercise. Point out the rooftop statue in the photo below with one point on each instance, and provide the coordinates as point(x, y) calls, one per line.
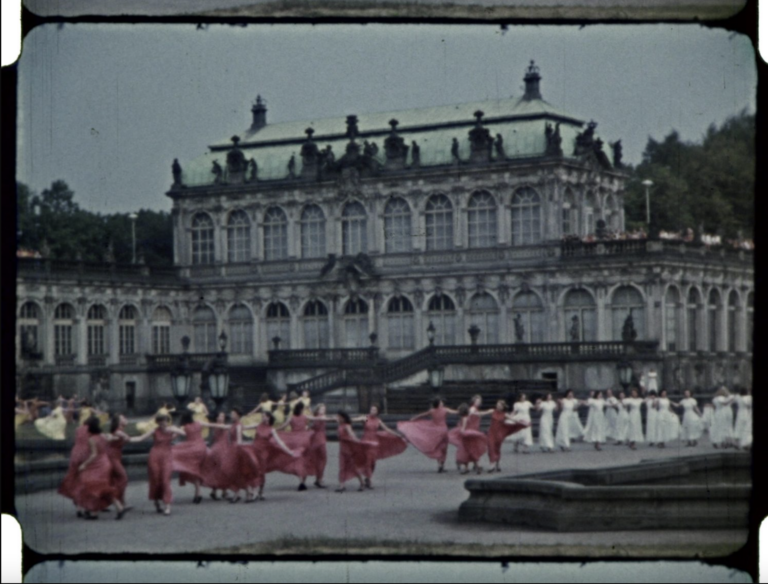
point(499, 147)
point(628, 332)
point(480, 141)
point(415, 155)
point(455, 151)
point(554, 140)
point(253, 169)
point(394, 147)
point(292, 166)
point(176, 170)
point(617, 153)
point(217, 172)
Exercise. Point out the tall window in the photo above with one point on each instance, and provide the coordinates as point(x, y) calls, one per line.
point(589, 213)
point(241, 330)
point(238, 237)
point(750, 319)
point(356, 324)
point(312, 232)
point(692, 313)
point(481, 220)
point(397, 226)
point(127, 330)
point(96, 323)
point(580, 319)
point(484, 313)
point(275, 234)
point(279, 324)
point(439, 223)
point(161, 331)
point(528, 318)
point(570, 214)
point(204, 328)
point(29, 328)
point(733, 320)
point(400, 323)
point(441, 312)
point(354, 229)
point(315, 325)
point(672, 318)
point(202, 239)
point(526, 217)
point(627, 300)
point(63, 322)
point(713, 319)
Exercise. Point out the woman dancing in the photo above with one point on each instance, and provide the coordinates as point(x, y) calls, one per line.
point(743, 427)
point(253, 418)
point(692, 425)
point(54, 425)
point(298, 439)
point(471, 444)
point(317, 454)
point(389, 442)
point(200, 414)
point(274, 455)
point(80, 451)
point(611, 414)
point(567, 421)
point(355, 455)
point(189, 456)
point(241, 469)
point(503, 425)
point(721, 432)
point(651, 418)
point(520, 412)
point(595, 431)
point(213, 475)
point(546, 423)
point(622, 420)
point(116, 439)
point(668, 428)
point(635, 421)
point(151, 424)
point(430, 437)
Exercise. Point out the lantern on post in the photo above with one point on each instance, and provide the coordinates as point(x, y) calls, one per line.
point(219, 376)
point(181, 375)
point(626, 373)
point(431, 333)
point(436, 376)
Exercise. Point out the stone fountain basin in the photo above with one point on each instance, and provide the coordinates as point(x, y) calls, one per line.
point(710, 491)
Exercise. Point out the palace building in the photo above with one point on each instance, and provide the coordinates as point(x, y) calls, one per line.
point(361, 251)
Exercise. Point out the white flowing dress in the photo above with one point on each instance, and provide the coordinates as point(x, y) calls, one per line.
point(743, 427)
point(547, 425)
point(707, 417)
point(576, 427)
point(635, 426)
point(611, 416)
point(668, 424)
point(522, 411)
point(722, 421)
point(651, 420)
point(692, 424)
point(622, 421)
point(568, 418)
point(595, 431)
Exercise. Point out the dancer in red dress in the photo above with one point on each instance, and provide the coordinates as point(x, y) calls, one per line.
point(429, 437)
point(317, 455)
point(355, 455)
point(299, 439)
point(116, 440)
point(80, 451)
point(160, 462)
point(211, 469)
point(240, 467)
point(502, 425)
point(273, 454)
point(390, 443)
point(471, 444)
point(189, 456)
point(95, 490)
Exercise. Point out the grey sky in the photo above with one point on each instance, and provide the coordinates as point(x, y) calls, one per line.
point(107, 107)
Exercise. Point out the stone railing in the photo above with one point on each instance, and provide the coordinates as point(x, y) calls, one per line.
point(97, 360)
point(197, 361)
point(575, 249)
point(324, 357)
point(57, 269)
point(65, 360)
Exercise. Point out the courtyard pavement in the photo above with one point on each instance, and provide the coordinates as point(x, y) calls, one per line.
point(411, 510)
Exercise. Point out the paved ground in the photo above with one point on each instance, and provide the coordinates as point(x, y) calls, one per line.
point(411, 510)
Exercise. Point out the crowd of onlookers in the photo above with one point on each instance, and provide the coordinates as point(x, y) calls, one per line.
point(684, 236)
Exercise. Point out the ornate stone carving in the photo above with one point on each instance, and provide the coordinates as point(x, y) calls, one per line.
point(553, 140)
point(394, 148)
point(236, 163)
point(310, 157)
point(480, 141)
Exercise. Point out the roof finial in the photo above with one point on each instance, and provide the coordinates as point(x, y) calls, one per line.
point(532, 79)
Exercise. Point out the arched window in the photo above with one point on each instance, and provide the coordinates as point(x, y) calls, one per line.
point(713, 319)
point(526, 217)
point(733, 320)
point(439, 223)
point(279, 324)
point(589, 213)
point(484, 313)
point(750, 319)
point(354, 229)
point(63, 323)
point(204, 327)
point(528, 319)
point(96, 323)
point(241, 330)
point(692, 310)
point(239, 237)
point(441, 312)
point(202, 239)
point(570, 214)
point(579, 313)
point(400, 323)
point(315, 325)
point(275, 234)
point(397, 226)
point(127, 329)
point(628, 301)
point(356, 324)
point(312, 232)
point(672, 318)
point(481, 220)
point(161, 331)
point(29, 329)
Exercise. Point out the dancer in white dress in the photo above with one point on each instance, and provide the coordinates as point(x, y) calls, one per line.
point(692, 425)
point(651, 418)
point(584, 403)
point(568, 418)
point(595, 431)
point(546, 423)
point(611, 415)
point(707, 417)
point(622, 419)
point(635, 425)
point(522, 412)
point(668, 424)
point(653, 381)
point(721, 432)
point(743, 427)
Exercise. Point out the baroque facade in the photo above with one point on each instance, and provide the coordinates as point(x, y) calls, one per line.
point(307, 242)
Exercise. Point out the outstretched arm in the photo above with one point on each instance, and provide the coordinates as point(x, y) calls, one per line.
point(421, 415)
point(386, 428)
point(142, 437)
point(282, 445)
point(359, 418)
point(217, 426)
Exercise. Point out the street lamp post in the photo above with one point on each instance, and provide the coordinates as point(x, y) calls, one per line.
point(219, 377)
point(625, 371)
point(647, 184)
point(431, 333)
point(181, 376)
point(436, 375)
point(133, 217)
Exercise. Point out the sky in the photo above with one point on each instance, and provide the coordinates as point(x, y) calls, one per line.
point(107, 107)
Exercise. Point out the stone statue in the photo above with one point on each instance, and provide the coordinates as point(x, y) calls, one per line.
point(292, 166)
point(367, 149)
point(553, 140)
point(395, 149)
point(310, 156)
point(415, 155)
point(617, 153)
point(575, 329)
point(217, 172)
point(499, 147)
point(176, 169)
point(585, 140)
point(330, 157)
point(480, 141)
point(352, 130)
point(253, 170)
point(455, 151)
point(628, 332)
point(601, 230)
point(519, 328)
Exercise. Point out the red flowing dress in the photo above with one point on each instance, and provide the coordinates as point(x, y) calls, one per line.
point(160, 467)
point(211, 469)
point(299, 440)
point(388, 444)
point(95, 490)
point(318, 452)
point(241, 466)
point(188, 456)
point(80, 452)
point(119, 476)
point(273, 458)
point(471, 444)
point(498, 432)
point(354, 457)
point(430, 437)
